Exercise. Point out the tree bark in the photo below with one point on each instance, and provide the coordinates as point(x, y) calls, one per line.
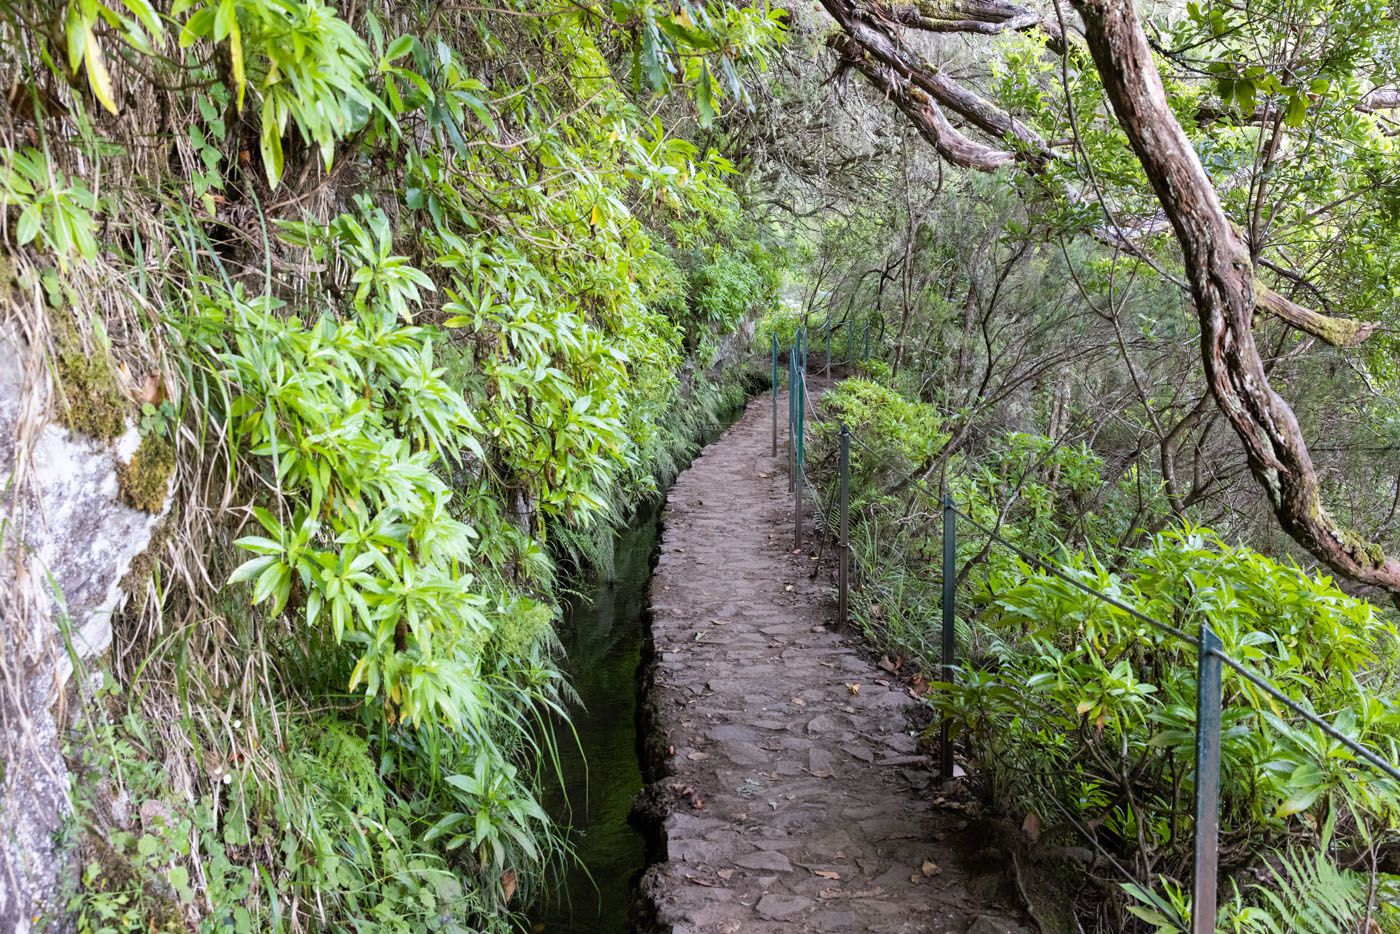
point(1221, 274)
point(869, 44)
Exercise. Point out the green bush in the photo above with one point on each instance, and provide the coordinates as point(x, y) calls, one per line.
point(410, 285)
point(1077, 712)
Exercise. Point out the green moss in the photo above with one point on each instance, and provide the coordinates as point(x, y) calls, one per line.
point(8, 280)
point(1362, 549)
point(145, 479)
point(143, 567)
point(89, 398)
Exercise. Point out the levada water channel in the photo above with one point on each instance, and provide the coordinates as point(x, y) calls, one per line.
point(603, 636)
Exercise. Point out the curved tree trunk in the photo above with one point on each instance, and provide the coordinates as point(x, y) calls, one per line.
point(1219, 267)
point(1221, 274)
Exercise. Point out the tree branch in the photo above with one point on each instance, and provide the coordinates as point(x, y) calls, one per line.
point(871, 46)
point(1222, 281)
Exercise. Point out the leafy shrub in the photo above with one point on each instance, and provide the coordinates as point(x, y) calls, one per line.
point(782, 320)
point(449, 349)
point(1077, 712)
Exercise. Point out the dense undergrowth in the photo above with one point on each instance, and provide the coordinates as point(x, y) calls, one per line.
point(410, 303)
point(1079, 718)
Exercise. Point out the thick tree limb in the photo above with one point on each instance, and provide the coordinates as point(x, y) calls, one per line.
point(874, 38)
point(1218, 265)
point(870, 45)
point(1387, 98)
point(988, 17)
point(923, 111)
point(1339, 332)
point(1220, 271)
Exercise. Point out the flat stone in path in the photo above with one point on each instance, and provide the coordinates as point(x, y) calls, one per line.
point(793, 792)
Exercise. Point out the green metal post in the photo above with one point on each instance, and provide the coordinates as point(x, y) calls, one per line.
point(843, 545)
point(1208, 718)
point(950, 585)
point(797, 478)
point(792, 409)
point(775, 395)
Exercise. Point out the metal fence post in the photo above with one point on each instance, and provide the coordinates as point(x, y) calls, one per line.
point(792, 408)
point(950, 585)
point(827, 358)
point(797, 495)
point(843, 545)
point(1208, 718)
point(867, 343)
point(775, 395)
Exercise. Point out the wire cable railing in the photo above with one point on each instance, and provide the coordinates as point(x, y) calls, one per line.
point(1211, 655)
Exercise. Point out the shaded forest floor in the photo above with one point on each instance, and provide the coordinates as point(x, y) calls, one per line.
point(789, 785)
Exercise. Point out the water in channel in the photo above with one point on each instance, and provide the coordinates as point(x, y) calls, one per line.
point(603, 634)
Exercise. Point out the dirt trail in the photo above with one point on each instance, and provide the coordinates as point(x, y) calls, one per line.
point(792, 801)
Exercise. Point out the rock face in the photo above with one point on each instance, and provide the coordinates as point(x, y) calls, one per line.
point(66, 543)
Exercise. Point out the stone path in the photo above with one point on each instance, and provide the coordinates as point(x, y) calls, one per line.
point(791, 792)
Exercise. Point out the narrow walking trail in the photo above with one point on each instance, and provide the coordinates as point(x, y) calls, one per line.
point(793, 794)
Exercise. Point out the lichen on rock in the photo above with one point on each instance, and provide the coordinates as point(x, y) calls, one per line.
point(70, 539)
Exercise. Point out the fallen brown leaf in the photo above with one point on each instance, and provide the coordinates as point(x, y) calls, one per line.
point(508, 884)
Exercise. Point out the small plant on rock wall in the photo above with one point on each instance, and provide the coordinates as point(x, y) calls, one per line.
point(157, 419)
point(54, 211)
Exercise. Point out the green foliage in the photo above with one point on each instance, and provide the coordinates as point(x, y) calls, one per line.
point(391, 416)
point(1100, 676)
point(1068, 705)
point(728, 287)
point(910, 432)
point(782, 321)
point(396, 578)
point(307, 66)
point(81, 20)
point(55, 211)
point(1307, 892)
point(666, 38)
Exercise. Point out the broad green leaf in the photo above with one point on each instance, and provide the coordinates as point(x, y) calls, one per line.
point(270, 146)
